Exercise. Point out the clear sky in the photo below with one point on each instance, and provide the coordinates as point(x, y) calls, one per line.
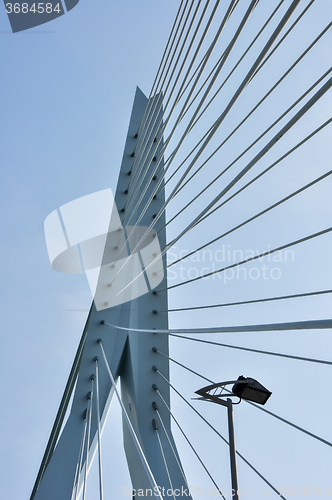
point(67, 89)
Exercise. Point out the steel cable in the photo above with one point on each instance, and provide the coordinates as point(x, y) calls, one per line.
point(192, 89)
point(220, 435)
point(189, 442)
point(248, 115)
point(249, 147)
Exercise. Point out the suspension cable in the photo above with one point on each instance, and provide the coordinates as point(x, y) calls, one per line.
point(295, 118)
point(229, 10)
point(263, 62)
point(79, 463)
point(203, 58)
point(142, 140)
point(248, 115)
point(170, 443)
point(256, 406)
point(163, 126)
point(89, 415)
point(319, 324)
point(234, 67)
point(164, 459)
point(189, 442)
point(141, 144)
point(312, 134)
point(291, 424)
point(258, 351)
point(99, 431)
point(228, 106)
point(161, 63)
point(263, 212)
point(209, 52)
point(249, 147)
point(166, 105)
point(218, 122)
point(218, 433)
point(222, 116)
point(284, 36)
point(253, 301)
point(270, 144)
point(164, 54)
point(245, 261)
point(216, 72)
point(180, 364)
point(160, 124)
point(131, 428)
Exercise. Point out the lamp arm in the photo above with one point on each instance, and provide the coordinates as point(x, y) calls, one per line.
point(204, 390)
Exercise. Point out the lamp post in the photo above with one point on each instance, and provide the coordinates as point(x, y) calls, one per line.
point(243, 388)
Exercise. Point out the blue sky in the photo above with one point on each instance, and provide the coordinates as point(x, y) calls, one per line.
point(66, 94)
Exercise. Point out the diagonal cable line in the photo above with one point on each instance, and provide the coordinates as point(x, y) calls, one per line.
point(318, 438)
point(226, 17)
point(250, 402)
point(227, 109)
point(216, 73)
point(169, 44)
point(270, 144)
point(291, 424)
point(170, 443)
point(295, 118)
point(221, 27)
point(241, 58)
point(180, 364)
point(165, 463)
point(130, 426)
point(150, 104)
point(161, 126)
point(239, 61)
point(140, 145)
point(189, 442)
point(298, 115)
point(284, 36)
point(249, 147)
point(319, 324)
point(203, 58)
point(222, 437)
point(323, 32)
point(89, 415)
point(79, 464)
point(250, 259)
point(162, 64)
point(253, 301)
point(153, 112)
point(258, 351)
point(312, 134)
point(99, 430)
point(254, 217)
point(156, 113)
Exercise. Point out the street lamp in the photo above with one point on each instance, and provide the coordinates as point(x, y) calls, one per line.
point(244, 388)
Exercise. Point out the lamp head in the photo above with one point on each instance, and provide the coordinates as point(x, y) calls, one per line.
point(251, 390)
